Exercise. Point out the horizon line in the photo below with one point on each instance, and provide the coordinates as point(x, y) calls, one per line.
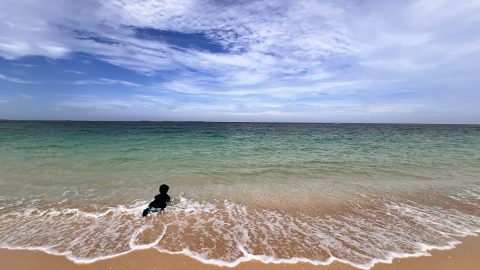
point(259, 122)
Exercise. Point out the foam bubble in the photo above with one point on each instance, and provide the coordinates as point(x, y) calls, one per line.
point(227, 233)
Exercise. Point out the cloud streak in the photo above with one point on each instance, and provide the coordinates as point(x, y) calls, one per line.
point(78, 72)
point(106, 81)
point(12, 79)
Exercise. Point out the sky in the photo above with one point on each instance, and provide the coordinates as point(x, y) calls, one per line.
point(211, 60)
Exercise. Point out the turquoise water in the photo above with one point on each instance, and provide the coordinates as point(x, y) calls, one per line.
point(294, 173)
point(128, 160)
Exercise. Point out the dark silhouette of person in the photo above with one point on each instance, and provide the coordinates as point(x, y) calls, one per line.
point(159, 203)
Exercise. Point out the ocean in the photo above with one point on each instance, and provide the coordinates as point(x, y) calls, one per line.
point(274, 192)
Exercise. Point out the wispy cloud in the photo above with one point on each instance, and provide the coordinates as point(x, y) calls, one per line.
point(24, 96)
point(244, 108)
point(259, 34)
point(106, 81)
point(78, 72)
point(24, 65)
point(108, 104)
point(266, 40)
point(12, 79)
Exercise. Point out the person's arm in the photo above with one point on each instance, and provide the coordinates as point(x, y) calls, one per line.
point(152, 202)
point(168, 201)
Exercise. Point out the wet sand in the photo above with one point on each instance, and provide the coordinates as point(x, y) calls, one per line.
point(465, 256)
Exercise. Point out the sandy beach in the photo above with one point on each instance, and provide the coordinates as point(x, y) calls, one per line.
point(465, 256)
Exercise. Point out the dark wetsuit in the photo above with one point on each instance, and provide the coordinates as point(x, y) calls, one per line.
point(160, 201)
point(158, 204)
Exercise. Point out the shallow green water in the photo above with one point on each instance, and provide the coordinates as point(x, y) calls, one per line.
point(122, 161)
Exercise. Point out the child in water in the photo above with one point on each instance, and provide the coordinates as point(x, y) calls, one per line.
point(159, 203)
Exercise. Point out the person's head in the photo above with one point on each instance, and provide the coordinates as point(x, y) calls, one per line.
point(163, 189)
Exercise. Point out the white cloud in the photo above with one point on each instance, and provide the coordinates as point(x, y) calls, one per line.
point(419, 36)
point(106, 81)
point(24, 96)
point(12, 79)
point(135, 102)
point(78, 72)
point(269, 39)
point(396, 107)
point(24, 65)
point(263, 35)
point(183, 86)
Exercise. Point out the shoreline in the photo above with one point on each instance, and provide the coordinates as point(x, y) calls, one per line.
point(465, 256)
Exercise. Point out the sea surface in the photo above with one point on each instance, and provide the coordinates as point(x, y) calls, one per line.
point(274, 192)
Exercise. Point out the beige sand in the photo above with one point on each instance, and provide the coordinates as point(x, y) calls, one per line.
point(466, 256)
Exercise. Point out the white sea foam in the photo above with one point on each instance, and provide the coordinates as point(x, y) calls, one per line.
point(228, 233)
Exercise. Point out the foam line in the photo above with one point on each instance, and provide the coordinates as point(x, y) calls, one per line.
point(246, 258)
point(424, 251)
point(134, 246)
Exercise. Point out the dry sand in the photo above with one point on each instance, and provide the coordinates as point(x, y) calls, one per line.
point(465, 256)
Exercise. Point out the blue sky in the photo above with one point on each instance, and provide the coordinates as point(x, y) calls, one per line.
point(289, 61)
